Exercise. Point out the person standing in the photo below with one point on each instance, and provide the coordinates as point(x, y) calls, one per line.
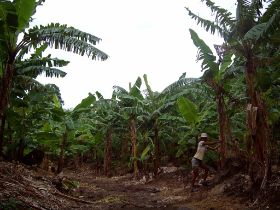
point(197, 159)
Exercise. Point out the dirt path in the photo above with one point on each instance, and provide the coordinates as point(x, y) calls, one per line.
point(123, 192)
point(166, 192)
point(33, 188)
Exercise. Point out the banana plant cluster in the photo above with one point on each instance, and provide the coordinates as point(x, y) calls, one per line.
point(250, 39)
point(236, 100)
point(17, 40)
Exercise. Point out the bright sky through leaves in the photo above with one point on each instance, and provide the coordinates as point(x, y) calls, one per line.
point(140, 36)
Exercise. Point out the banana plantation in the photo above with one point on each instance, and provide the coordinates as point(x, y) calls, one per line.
point(140, 131)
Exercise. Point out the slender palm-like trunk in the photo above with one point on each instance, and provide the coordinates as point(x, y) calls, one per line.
point(5, 87)
point(157, 148)
point(62, 149)
point(108, 152)
point(2, 128)
point(222, 128)
point(134, 145)
point(257, 123)
point(20, 149)
point(257, 120)
point(124, 151)
point(11, 154)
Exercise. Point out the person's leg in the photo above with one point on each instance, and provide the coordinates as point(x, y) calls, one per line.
point(195, 165)
point(206, 170)
point(194, 176)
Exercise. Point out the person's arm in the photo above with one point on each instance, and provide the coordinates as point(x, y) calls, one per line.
point(211, 143)
point(212, 148)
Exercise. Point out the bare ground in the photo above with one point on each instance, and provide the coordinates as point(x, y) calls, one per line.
point(33, 188)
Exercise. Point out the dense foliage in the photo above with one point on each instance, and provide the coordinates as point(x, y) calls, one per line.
point(236, 100)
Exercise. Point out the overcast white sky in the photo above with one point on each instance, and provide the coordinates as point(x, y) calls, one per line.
point(140, 36)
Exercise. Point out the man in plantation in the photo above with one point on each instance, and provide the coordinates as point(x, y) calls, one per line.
point(197, 163)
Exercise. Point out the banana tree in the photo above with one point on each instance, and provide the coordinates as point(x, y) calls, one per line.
point(251, 35)
point(260, 52)
point(59, 131)
point(24, 78)
point(184, 135)
point(107, 120)
point(199, 116)
point(214, 76)
point(89, 139)
point(28, 112)
point(159, 108)
point(154, 112)
point(132, 104)
point(15, 18)
point(257, 46)
point(71, 123)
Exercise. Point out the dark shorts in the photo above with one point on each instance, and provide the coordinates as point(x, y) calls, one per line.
point(196, 163)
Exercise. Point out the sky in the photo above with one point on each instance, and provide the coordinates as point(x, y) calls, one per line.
point(140, 36)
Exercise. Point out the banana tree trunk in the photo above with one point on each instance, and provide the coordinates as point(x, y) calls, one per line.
point(2, 128)
point(62, 150)
point(134, 146)
point(108, 152)
point(257, 122)
point(222, 127)
point(11, 154)
point(157, 149)
point(20, 149)
point(124, 150)
point(5, 87)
